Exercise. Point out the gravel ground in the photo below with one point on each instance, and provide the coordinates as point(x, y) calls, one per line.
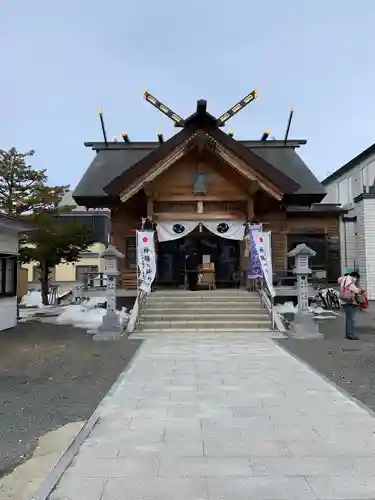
point(49, 376)
point(348, 363)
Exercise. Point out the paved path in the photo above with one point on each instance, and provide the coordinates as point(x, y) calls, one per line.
point(224, 417)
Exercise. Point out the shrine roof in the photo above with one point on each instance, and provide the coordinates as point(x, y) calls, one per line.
point(116, 158)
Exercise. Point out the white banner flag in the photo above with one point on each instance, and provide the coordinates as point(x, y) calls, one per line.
point(260, 244)
point(146, 260)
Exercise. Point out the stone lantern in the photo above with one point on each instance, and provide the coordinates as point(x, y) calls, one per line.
point(304, 325)
point(111, 327)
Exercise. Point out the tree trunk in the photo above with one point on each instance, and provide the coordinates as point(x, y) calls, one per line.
point(44, 282)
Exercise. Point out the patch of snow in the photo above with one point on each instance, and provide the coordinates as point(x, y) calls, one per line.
point(94, 302)
point(32, 299)
point(317, 310)
point(290, 308)
point(70, 314)
point(286, 308)
point(87, 316)
point(325, 316)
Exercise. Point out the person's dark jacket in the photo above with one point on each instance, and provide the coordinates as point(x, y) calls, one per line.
point(192, 263)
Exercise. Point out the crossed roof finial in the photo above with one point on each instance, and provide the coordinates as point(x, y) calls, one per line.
point(180, 122)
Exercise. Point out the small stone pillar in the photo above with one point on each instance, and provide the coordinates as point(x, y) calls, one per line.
point(303, 325)
point(111, 327)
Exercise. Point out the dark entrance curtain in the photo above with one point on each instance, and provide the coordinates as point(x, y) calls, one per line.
point(227, 262)
point(171, 263)
point(225, 254)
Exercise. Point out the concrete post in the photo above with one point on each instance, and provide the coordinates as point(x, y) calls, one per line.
point(304, 325)
point(111, 327)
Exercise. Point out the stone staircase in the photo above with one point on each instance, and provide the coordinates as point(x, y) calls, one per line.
point(206, 311)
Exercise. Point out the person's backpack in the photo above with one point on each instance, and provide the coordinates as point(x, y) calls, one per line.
point(345, 292)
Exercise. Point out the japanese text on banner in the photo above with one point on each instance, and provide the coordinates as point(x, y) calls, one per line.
point(146, 261)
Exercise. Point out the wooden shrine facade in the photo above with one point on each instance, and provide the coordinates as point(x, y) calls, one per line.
point(204, 174)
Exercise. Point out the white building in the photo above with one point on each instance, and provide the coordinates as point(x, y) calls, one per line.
point(10, 229)
point(353, 187)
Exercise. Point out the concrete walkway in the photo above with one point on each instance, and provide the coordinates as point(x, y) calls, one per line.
point(224, 417)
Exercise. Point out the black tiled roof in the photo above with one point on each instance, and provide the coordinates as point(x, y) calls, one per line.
point(119, 157)
point(288, 161)
point(106, 166)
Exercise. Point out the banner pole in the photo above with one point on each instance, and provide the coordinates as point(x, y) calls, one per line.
point(137, 259)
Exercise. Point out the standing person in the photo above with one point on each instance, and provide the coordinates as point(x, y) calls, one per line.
point(349, 292)
point(192, 270)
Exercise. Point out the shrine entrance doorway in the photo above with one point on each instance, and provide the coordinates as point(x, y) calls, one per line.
point(221, 253)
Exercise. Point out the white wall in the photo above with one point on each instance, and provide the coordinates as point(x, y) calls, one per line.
point(352, 242)
point(349, 241)
point(361, 174)
point(8, 312)
point(8, 305)
point(366, 244)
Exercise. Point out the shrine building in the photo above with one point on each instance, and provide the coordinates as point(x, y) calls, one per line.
point(199, 189)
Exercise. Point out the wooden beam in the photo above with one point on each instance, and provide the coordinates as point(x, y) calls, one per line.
point(199, 217)
point(150, 209)
point(160, 167)
point(245, 170)
point(250, 209)
point(254, 188)
point(233, 177)
point(196, 198)
point(147, 187)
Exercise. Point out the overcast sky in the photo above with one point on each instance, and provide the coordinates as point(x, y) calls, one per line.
point(62, 60)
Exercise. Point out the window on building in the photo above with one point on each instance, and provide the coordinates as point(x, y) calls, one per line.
point(130, 252)
point(315, 241)
point(335, 198)
point(371, 173)
point(364, 178)
point(86, 273)
point(8, 275)
point(345, 191)
point(36, 274)
point(350, 189)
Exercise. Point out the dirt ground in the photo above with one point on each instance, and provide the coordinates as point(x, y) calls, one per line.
point(348, 363)
point(49, 376)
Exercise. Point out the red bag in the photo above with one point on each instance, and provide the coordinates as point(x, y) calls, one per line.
point(365, 303)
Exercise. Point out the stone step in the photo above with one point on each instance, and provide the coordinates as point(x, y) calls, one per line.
point(203, 316)
point(224, 309)
point(201, 306)
point(204, 293)
point(138, 334)
point(225, 291)
point(197, 299)
point(204, 324)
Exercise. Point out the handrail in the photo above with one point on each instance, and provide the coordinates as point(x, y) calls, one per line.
point(267, 298)
point(136, 311)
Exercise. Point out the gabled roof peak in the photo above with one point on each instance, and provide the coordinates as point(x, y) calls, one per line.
point(201, 118)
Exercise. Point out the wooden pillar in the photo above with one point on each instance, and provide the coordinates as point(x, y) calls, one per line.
point(250, 209)
point(150, 209)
